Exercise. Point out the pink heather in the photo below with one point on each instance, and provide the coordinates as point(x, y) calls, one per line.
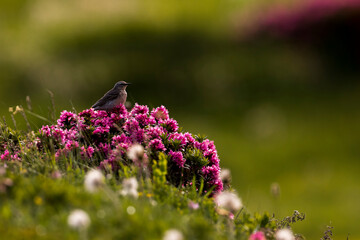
point(157, 145)
point(179, 137)
point(136, 126)
point(117, 139)
point(101, 130)
point(211, 154)
point(67, 119)
point(139, 109)
point(131, 125)
point(160, 113)
point(6, 155)
point(178, 158)
point(145, 120)
point(70, 145)
point(155, 132)
point(205, 145)
point(87, 152)
point(189, 138)
point(169, 124)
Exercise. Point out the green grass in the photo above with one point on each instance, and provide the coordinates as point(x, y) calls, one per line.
point(312, 152)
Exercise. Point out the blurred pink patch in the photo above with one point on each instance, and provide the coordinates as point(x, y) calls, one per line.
point(282, 20)
point(193, 205)
point(257, 236)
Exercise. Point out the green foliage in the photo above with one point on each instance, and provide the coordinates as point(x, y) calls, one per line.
point(159, 169)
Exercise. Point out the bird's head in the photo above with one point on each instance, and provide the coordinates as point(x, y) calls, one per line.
point(121, 85)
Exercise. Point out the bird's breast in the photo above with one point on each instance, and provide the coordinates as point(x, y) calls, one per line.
point(122, 97)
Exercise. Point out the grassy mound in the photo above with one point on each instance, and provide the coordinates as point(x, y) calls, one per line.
point(51, 187)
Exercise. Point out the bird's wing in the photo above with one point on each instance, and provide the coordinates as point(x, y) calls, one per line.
point(109, 96)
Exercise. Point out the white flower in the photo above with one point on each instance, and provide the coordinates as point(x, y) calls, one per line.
point(229, 201)
point(284, 234)
point(130, 186)
point(225, 175)
point(79, 219)
point(94, 179)
point(135, 152)
point(173, 234)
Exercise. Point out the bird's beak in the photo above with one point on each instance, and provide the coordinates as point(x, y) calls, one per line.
point(127, 83)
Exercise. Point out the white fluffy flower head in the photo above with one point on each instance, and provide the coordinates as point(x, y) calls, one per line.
point(225, 176)
point(229, 201)
point(79, 219)
point(94, 180)
point(135, 152)
point(173, 234)
point(284, 234)
point(130, 186)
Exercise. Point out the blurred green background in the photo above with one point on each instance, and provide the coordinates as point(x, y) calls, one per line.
point(281, 106)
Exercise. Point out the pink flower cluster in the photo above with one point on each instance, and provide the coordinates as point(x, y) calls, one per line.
point(6, 156)
point(104, 138)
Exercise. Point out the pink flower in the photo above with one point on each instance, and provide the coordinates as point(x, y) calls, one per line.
point(156, 145)
point(89, 113)
point(189, 138)
point(101, 130)
point(155, 132)
point(181, 138)
point(139, 109)
point(45, 130)
point(144, 120)
point(87, 152)
point(117, 139)
point(212, 175)
point(205, 145)
point(212, 156)
point(178, 158)
point(100, 114)
point(104, 147)
point(160, 113)
point(70, 145)
point(5, 155)
point(131, 125)
point(257, 236)
point(120, 110)
point(67, 119)
point(169, 124)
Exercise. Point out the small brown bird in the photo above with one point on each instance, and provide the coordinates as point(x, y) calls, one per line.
point(114, 97)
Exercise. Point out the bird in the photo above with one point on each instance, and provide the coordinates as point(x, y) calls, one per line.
point(113, 98)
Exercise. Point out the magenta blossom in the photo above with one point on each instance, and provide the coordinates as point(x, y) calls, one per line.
point(139, 109)
point(169, 124)
point(6, 155)
point(156, 145)
point(178, 158)
point(67, 119)
point(160, 113)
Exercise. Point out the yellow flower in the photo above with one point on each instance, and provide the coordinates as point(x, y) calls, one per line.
point(18, 109)
point(38, 200)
